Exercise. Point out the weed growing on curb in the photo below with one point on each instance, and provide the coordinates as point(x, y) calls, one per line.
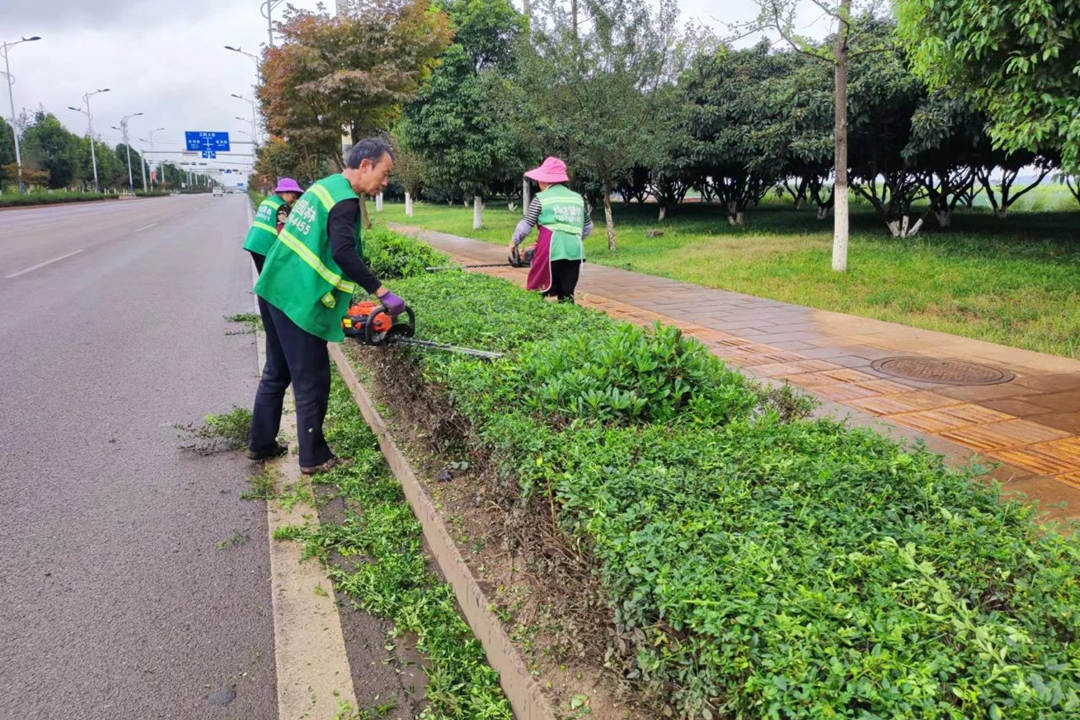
point(375, 558)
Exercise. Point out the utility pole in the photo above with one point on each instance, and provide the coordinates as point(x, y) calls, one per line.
point(90, 129)
point(6, 46)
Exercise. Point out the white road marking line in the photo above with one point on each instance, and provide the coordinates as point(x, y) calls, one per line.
point(43, 264)
point(145, 227)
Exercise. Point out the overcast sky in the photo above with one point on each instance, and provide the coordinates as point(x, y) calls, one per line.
point(166, 60)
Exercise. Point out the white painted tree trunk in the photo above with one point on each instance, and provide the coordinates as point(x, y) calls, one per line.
point(735, 219)
point(840, 142)
point(944, 218)
point(840, 227)
point(823, 212)
point(663, 213)
point(408, 204)
point(525, 199)
point(378, 202)
point(903, 228)
point(477, 212)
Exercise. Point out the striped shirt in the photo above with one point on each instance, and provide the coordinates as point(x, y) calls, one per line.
point(532, 216)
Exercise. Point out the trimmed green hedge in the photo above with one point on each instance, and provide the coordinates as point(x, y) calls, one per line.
point(48, 198)
point(758, 567)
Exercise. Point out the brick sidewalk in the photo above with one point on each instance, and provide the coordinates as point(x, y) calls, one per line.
point(1028, 425)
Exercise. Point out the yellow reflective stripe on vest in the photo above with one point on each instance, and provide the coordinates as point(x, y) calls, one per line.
point(264, 226)
point(323, 195)
point(316, 264)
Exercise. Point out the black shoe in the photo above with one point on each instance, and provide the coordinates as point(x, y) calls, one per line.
point(326, 466)
point(272, 452)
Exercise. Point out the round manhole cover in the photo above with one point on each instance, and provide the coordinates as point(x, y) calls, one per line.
point(941, 370)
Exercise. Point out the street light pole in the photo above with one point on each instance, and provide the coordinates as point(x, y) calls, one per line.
point(127, 146)
point(6, 46)
point(161, 165)
point(254, 130)
point(90, 127)
point(142, 163)
point(254, 59)
point(265, 9)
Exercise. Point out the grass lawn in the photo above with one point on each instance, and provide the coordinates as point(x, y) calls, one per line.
point(1014, 281)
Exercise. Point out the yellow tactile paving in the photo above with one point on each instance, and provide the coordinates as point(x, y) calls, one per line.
point(1006, 434)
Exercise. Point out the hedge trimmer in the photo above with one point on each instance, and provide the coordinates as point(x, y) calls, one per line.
point(516, 259)
point(369, 324)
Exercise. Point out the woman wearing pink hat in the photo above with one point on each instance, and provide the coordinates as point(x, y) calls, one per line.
point(564, 222)
point(270, 216)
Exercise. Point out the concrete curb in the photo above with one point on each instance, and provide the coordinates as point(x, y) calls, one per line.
point(521, 688)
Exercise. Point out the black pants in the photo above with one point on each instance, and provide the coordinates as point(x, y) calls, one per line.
point(259, 260)
point(564, 277)
point(292, 355)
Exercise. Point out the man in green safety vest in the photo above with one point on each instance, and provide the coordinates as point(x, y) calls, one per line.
point(564, 221)
point(263, 233)
point(304, 290)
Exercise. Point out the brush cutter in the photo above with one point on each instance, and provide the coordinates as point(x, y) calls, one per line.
point(516, 259)
point(369, 324)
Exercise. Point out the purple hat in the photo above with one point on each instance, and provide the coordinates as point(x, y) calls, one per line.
point(288, 185)
point(552, 170)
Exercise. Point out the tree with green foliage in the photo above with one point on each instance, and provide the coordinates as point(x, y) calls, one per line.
point(461, 121)
point(589, 73)
point(48, 145)
point(348, 74)
point(1018, 60)
point(7, 151)
point(730, 113)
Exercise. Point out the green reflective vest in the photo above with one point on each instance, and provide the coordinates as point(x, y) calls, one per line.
point(562, 211)
point(263, 232)
point(300, 277)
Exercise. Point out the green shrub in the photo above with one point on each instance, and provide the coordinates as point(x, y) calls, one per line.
point(758, 568)
point(392, 256)
point(629, 374)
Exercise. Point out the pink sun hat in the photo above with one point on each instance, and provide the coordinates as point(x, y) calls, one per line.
point(288, 185)
point(552, 170)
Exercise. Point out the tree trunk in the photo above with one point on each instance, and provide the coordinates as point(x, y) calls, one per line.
point(1001, 212)
point(477, 212)
point(378, 203)
point(840, 138)
point(408, 204)
point(525, 199)
point(608, 218)
point(944, 217)
point(663, 213)
point(822, 212)
point(365, 218)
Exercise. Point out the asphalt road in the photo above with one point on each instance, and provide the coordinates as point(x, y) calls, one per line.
point(115, 600)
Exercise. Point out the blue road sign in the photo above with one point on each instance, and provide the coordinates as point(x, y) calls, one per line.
point(209, 153)
point(197, 140)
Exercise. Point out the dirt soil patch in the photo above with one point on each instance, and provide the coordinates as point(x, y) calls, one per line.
point(543, 587)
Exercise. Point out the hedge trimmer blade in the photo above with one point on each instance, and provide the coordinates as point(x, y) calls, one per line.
point(369, 324)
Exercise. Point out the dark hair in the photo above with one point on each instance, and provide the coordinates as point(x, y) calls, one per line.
point(372, 149)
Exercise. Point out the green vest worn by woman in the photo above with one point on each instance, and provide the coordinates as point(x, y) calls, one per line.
point(263, 232)
point(562, 211)
point(300, 277)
